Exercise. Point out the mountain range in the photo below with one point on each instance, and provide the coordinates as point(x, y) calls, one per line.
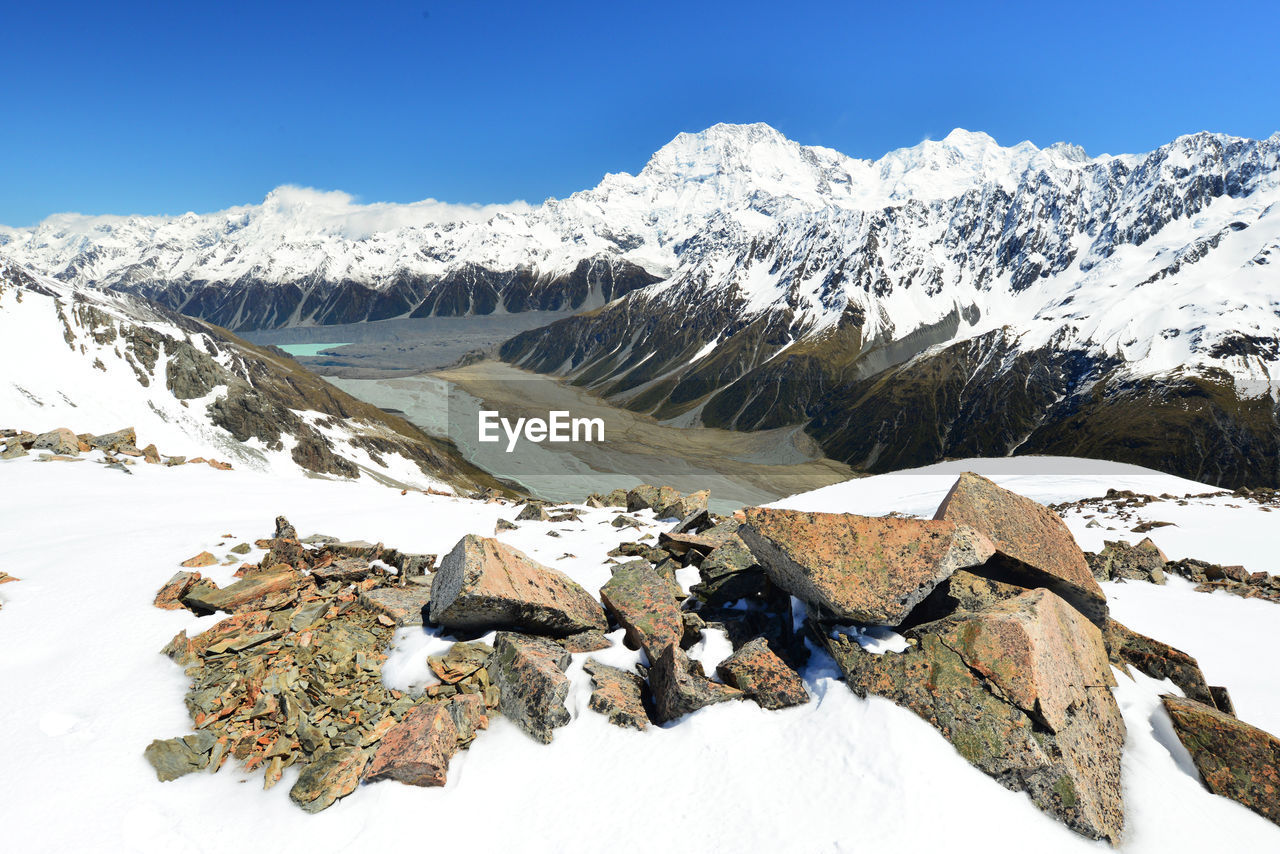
point(955, 298)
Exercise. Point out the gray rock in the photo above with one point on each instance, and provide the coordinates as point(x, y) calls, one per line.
point(175, 757)
point(403, 605)
point(529, 675)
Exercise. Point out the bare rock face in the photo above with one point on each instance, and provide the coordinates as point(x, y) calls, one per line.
point(1033, 546)
point(1235, 760)
point(619, 695)
point(334, 775)
point(859, 568)
point(485, 584)
point(642, 603)
point(417, 750)
point(680, 687)
point(529, 674)
point(756, 671)
point(1022, 690)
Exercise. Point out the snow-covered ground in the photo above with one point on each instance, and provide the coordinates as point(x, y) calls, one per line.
point(85, 689)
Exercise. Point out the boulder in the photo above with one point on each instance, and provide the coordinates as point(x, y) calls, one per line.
point(756, 671)
point(462, 660)
point(117, 441)
point(1157, 660)
point(1022, 690)
point(618, 695)
point(730, 572)
point(1119, 561)
point(642, 603)
point(533, 513)
point(859, 568)
point(330, 777)
point(685, 506)
point(200, 560)
point(485, 584)
point(417, 750)
point(268, 585)
point(404, 606)
point(647, 497)
point(1033, 546)
point(680, 687)
point(174, 757)
point(589, 641)
point(529, 675)
point(174, 589)
point(1235, 760)
point(694, 522)
point(60, 441)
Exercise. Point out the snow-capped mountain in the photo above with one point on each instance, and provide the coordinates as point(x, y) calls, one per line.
point(745, 280)
point(98, 362)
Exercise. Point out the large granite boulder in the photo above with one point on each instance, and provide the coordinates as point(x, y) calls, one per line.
point(529, 675)
point(485, 584)
point(867, 569)
point(1235, 760)
point(1033, 546)
point(642, 603)
point(1022, 690)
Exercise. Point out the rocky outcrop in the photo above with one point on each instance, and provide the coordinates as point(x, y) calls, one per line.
point(860, 568)
point(1022, 690)
point(529, 675)
point(757, 672)
point(1033, 546)
point(484, 584)
point(1235, 760)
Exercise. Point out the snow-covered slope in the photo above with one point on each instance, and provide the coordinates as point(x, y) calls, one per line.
point(97, 362)
point(85, 690)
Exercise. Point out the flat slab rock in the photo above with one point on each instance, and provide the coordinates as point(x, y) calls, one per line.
point(755, 670)
point(532, 688)
point(1235, 760)
point(866, 569)
point(1036, 547)
point(485, 584)
point(403, 605)
point(1022, 692)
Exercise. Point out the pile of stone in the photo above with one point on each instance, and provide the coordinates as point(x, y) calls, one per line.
point(1009, 647)
point(119, 449)
point(666, 502)
point(1120, 561)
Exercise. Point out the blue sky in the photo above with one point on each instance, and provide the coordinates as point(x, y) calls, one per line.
point(163, 108)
